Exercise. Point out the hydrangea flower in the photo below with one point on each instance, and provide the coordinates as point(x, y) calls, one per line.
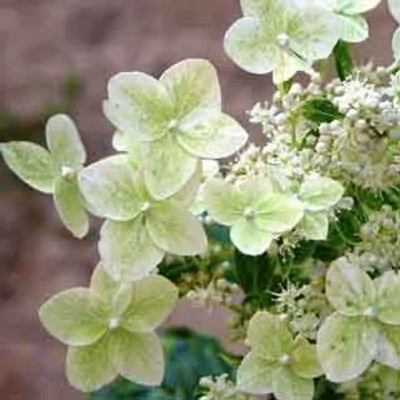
point(139, 229)
point(110, 329)
point(394, 7)
point(276, 363)
point(177, 120)
point(280, 36)
point(352, 26)
point(254, 212)
point(54, 171)
point(365, 326)
point(318, 195)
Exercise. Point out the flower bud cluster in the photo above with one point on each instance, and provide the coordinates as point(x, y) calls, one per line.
point(221, 388)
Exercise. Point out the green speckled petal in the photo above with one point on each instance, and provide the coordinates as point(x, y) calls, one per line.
point(64, 143)
point(305, 362)
point(353, 7)
point(289, 386)
point(394, 7)
point(127, 251)
point(31, 163)
point(138, 356)
point(396, 44)
point(389, 346)
point(346, 346)
point(208, 133)
point(314, 225)
point(192, 84)
point(89, 368)
point(353, 28)
point(388, 298)
point(109, 188)
point(167, 166)
point(69, 205)
point(349, 290)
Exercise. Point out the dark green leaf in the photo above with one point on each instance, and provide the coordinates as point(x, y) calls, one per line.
point(343, 61)
point(320, 110)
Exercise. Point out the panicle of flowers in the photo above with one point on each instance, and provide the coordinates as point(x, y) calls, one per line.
point(221, 388)
point(379, 249)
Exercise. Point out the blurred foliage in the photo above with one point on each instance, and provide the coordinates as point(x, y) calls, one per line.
point(189, 356)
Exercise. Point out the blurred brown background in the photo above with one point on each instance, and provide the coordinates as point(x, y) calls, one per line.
point(44, 43)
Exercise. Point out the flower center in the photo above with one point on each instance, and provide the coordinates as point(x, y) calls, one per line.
point(283, 40)
point(67, 172)
point(285, 359)
point(370, 312)
point(173, 124)
point(145, 206)
point(249, 213)
point(114, 323)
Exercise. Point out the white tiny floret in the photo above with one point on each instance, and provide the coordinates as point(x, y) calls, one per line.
point(145, 206)
point(67, 172)
point(249, 213)
point(283, 40)
point(114, 323)
point(370, 312)
point(285, 359)
point(173, 124)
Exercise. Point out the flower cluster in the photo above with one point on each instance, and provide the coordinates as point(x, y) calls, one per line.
point(220, 388)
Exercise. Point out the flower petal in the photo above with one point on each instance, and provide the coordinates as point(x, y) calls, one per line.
point(248, 43)
point(261, 8)
point(31, 163)
point(175, 230)
point(102, 285)
point(394, 8)
point(354, 7)
point(314, 225)
point(305, 362)
point(153, 299)
point(138, 105)
point(192, 84)
point(208, 133)
point(269, 336)
point(388, 299)
point(353, 28)
point(167, 166)
point(289, 386)
point(224, 204)
point(69, 205)
point(64, 143)
point(249, 238)
point(318, 193)
point(89, 368)
point(109, 188)
point(256, 374)
point(278, 213)
point(389, 346)
point(349, 290)
point(138, 356)
point(346, 346)
point(127, 251)
point(75, 317)
point(396, 44)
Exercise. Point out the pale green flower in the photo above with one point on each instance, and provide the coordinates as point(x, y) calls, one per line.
point(54, 171)
point(352, 26)
point(318, 195)
point(177, 120)
point(365, 326)
point(139, 229)
point(276, 363)
point(110, 329)
point(394, 7)
point(254, 212)
point(280, 36)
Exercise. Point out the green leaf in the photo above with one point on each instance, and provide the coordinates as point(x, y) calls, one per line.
point(305, 362)
point(207, 133)
point(153, 299)
point(127, 251)
point(388, 299)
point(319, 193)
point(137, 356)
point(138, 105)
point(288, 386)
point(175, 230)
point(389, 346)
point(249, 238)
point(69, 206)
point(346, 346)
point(314, 225)
point(89, 368)
point(109, 186)
point(343, 61)
point(192, 84)
point(75, 317)
point(31, 163)
point(320, 110)
point(349, 290)
point(167, 166)
point(64, 143)
point(256, 374)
